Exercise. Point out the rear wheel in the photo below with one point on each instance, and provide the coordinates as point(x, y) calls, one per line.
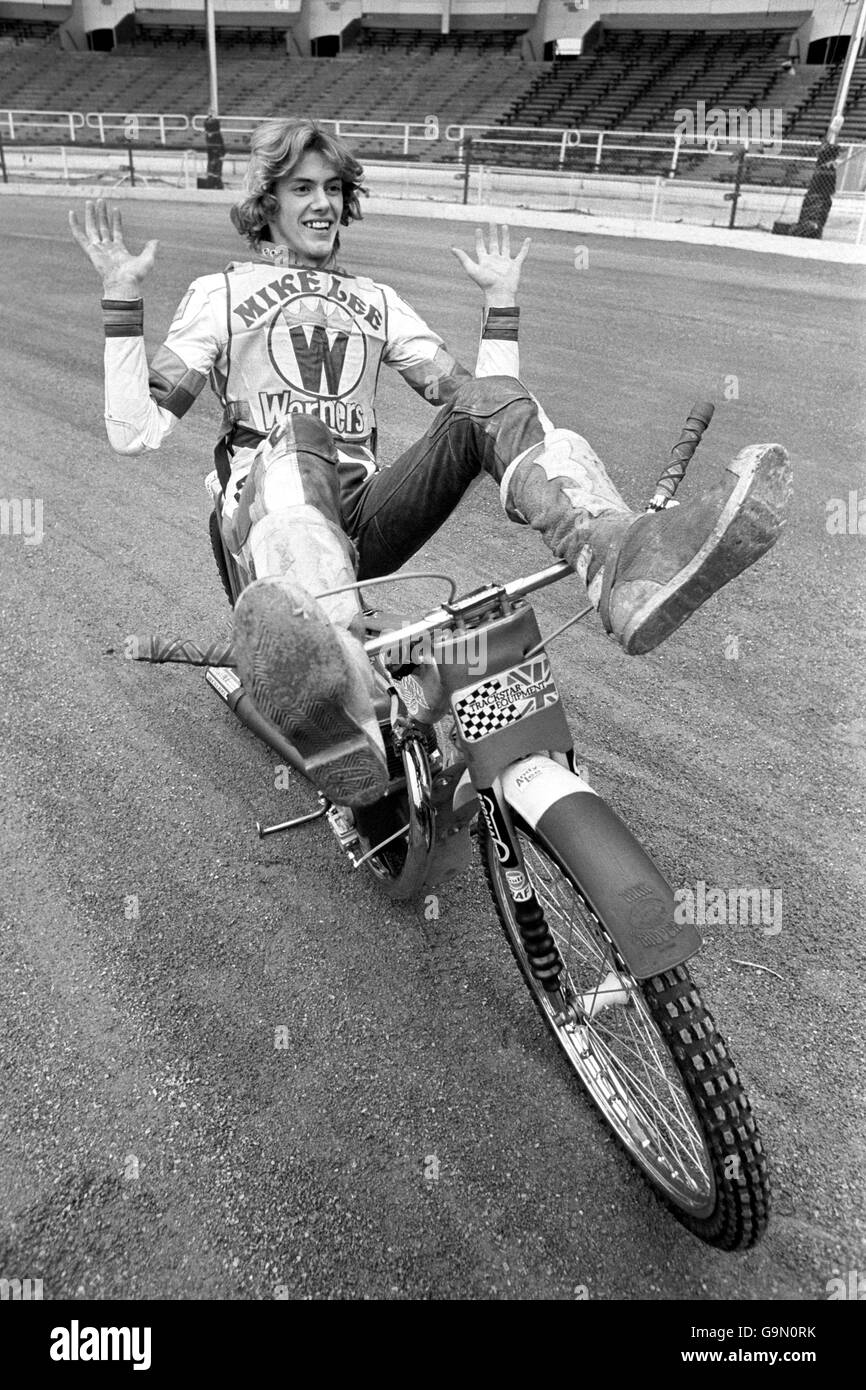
point(400, 827)
point(649, 1055)
point(219, 555)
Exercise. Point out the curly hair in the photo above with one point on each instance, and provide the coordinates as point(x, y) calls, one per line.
point(276, 147)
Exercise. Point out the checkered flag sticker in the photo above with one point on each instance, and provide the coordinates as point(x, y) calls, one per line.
point(482, 709)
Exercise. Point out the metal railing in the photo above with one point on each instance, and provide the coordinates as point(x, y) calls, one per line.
point(671, 154)
point(14, 124)
point(404, 132)
point(132, 125)
point(598, 145)
point(645, 197)
point(562, 142)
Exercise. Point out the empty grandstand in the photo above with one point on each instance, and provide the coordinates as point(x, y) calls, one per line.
point(614, 77)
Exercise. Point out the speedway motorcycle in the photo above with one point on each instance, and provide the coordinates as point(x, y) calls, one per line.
point(479, 750)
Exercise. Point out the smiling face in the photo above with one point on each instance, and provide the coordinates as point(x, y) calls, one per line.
point(309, 207)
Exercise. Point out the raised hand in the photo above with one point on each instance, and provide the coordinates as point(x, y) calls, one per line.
point(495, 270)
point(102, 242)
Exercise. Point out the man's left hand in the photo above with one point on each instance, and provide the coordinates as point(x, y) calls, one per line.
point(495, 270)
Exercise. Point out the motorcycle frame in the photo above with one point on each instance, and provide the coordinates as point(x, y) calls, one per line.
point(502, 775)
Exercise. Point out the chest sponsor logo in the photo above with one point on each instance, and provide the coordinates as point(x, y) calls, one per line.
point(347, 419)
point(504, 699)
point(318, 347)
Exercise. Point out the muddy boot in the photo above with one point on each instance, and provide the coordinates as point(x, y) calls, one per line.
point(301, 661)
point(647, 573)
point(313, 680)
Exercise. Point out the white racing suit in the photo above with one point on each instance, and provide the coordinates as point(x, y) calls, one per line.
point(293, 355)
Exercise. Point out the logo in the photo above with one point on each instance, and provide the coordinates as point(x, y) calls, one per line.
point(317, 347)
point(846, 519)
point(650, 918)
point(653, 936)
point(706, 906)
point(17, 1289)
point(524, 778)
point(413, 694)
point(635, 892)
point(483, 709)
point(854, 1288)
point(518, 887)
point(730, 125)
point(76, 1343)
point(22, 516)
point(488, 810)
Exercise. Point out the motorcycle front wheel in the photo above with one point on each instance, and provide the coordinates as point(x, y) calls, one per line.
point(647, 1052)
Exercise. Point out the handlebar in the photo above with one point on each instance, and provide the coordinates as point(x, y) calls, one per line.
point(161, 650)
point(455, 612)
point(450, 615)
point(681, 453)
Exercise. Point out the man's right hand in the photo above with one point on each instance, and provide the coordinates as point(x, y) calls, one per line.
point(102, 243)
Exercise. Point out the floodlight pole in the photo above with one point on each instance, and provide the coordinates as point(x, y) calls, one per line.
point(847, 72)
point(210, 30)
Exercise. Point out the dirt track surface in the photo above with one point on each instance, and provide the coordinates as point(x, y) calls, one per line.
point(154, 1141)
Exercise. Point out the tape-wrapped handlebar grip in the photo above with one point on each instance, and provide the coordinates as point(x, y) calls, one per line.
point(175, 649)
point(699, 417)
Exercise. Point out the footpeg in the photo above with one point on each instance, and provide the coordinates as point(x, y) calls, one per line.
point(342, 822)
point(263, 830)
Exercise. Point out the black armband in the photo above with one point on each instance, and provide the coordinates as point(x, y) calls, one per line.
point(123, 318)
point(501, 324)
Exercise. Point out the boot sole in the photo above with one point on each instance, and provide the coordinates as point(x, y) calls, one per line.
point(339, 757)
point(748, 526)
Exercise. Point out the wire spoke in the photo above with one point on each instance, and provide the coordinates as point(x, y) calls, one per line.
point(659, 1119)
point(631, 1074)
point(665, 1068)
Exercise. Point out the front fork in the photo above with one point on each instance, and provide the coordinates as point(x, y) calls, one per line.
point(545, 962)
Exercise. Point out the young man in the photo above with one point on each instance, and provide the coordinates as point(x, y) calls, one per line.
point(292, 344)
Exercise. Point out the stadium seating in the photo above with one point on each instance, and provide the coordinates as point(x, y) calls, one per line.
point(633, 81)
point(407, 41)
point(361, 86)
point(636, 79)
point(21, 32)
point(810, 120)
point(161, 38)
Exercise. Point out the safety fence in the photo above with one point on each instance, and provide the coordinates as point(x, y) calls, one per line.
point(751, 153)
point(652, 197)
point(171, 127)
point(739, 157)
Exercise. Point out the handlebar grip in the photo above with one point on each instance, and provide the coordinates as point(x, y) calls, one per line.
point(165, 649)
point(699, 417)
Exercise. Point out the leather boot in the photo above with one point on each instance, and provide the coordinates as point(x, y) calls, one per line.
point(646, 574)
point(302, 661)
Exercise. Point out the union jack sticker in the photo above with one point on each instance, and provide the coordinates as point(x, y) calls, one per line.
point(481, 710)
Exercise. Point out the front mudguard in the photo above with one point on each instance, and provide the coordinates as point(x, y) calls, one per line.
point(618, 880)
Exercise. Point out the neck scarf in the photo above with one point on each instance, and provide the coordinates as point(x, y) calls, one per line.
point(284, 256)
